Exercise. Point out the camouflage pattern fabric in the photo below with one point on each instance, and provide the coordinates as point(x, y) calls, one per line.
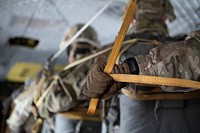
point(150, 16)
point(89, 35)
point(17, 121)
point(178, 60)
point(66, 94)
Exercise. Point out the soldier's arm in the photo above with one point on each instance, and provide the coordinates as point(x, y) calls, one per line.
point(65, 94)
point(61, 98)
point(177, 60)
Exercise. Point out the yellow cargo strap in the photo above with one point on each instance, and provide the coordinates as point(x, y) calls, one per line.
point(37, 126)
point(39, 88)
point(157, 81)
point(80, 114)
point(116, 48)
point(87, 58)
point(47, 91)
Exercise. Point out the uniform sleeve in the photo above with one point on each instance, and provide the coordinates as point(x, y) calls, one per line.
point(65, 94)
point(61, 98)
point(177, 60)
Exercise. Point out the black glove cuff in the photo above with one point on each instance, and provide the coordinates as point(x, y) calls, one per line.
point(132, 63)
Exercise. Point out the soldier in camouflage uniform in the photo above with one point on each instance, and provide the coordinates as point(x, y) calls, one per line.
point(63, 98)
point(177, 59)
point(20, 119)
point(148, 23)
point(65, 95)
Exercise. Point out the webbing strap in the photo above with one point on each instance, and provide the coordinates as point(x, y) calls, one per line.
point(39, 88)
point(160, 95)
point(157, 81)
point(124, 50)
point(47, 91)
point(133, 42)
point(87, 58)
point(79, 113)
point(116, 48)
point(36, 127)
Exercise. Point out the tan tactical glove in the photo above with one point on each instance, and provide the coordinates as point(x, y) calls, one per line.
point(102, 85)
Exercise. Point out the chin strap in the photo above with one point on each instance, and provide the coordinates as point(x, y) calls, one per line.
point(116, 48)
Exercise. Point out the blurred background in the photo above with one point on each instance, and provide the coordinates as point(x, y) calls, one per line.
point(42, 23)
point(46, 21)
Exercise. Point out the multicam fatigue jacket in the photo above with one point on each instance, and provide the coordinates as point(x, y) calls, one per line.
point(18, 118)
point(67, 93)
point(178, 60)
point(150, 16)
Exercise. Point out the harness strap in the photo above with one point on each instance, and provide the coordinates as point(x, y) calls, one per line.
point(47, 91)
point(116, 48)
point(39, 88)
point(158, 94)
point(157, 81)
point(132, 42)
point(87, 58)
point(79, 113)
point(36, 128)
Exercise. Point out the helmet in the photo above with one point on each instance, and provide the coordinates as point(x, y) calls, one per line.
point(89, 35)
point(85, 43)
point(151, 14)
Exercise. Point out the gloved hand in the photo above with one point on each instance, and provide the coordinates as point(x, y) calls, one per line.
point(102, 85)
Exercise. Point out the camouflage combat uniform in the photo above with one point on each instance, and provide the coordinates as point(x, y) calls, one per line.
point(65, 95)
point(182, 57)
point(66, 92)
point(150, 17)
point(150, 24)
point(63, 98)
point(163, 116)
point(20, 119)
